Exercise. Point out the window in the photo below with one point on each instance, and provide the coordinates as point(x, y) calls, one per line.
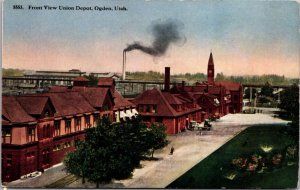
point(105, 108)
point(87, 121)
point(31, 134)
point(46, 156)
point(147, 108)
point(96, 118)
point(56, 128)
point(76, 143)
point(48, 131)
point(56, 147)
point(68, 125)
point(236, 97)
point(47, 113)
point(141, 108)
point(154, 109)
point(159, 119)
point(78, 124)
point(6, 135)
point(8, 159)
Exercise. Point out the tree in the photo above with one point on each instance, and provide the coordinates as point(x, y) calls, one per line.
point(112, 151)
point(290, 101)
point(76, 162)
point(247, 93)
point(157, 137)
point(267, 90)
point(93, 81)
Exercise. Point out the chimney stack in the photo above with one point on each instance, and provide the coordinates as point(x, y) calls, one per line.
point(167, 79)
point(183, 84)
point(124, 66)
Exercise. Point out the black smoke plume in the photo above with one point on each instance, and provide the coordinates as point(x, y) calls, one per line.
point(164, 33)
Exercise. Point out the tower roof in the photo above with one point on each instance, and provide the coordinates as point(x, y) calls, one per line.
point(211, 59)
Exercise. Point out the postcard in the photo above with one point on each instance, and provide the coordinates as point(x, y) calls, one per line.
point(150, 94)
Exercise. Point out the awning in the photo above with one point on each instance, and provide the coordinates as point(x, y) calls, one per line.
point(123, 114)
point(128, 112)
point(134, 112)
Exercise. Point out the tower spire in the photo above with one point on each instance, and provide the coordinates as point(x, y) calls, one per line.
point(210, 69)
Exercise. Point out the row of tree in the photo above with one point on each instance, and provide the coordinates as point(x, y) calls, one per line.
point(113, 151)
point(251, 79)
point(12, 72)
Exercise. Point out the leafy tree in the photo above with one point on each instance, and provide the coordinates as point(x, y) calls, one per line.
point(220, 77)
point(267, 90)
point(247, 93)
point(12, 72)
point(112, 151)
point(76, 162)
point(290, 100)
point(290, 103)
point(157, 137)
point(93, 81)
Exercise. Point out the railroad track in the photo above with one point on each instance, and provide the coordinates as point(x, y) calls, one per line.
point(62, 182)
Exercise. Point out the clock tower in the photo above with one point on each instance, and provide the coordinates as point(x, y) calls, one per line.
point(210, 69)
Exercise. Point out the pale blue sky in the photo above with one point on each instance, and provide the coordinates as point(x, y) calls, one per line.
point(247, 37)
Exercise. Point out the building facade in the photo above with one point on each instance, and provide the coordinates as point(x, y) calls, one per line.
point(38, 130)
point(177, 106)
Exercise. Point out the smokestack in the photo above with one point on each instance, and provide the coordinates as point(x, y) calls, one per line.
point(183, 84)
point(124, 66)
point(167, 79)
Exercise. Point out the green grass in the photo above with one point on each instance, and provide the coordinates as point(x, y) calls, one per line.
point(211, 171)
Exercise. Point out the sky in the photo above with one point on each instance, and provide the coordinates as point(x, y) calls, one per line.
point(245, 37)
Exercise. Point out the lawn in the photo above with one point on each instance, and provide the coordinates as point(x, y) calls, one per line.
point(262, 156)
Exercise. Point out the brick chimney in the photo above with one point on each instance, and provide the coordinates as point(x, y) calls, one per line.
point(167, 78)
point(183, 84)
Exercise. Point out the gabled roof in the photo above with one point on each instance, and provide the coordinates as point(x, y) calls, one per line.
point(120, 101)
point(13, 111)
point(106, 81)
point(171, 98)
point(211, 99)
point(232, 86)
point(69, 103)
point(163, 101)
point(33, 105)
point(214, 89)
point(95, 96)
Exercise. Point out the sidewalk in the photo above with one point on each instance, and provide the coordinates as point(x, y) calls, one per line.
point(49, 176)
point(190, 149)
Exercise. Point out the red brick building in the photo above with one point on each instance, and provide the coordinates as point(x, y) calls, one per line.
point(177, 106)
point(39, 130)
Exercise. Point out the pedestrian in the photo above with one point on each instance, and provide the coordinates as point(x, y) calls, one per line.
point(172, 150)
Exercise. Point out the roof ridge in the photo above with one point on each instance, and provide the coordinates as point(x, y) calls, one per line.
point(166, 102)
point(21, 105)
